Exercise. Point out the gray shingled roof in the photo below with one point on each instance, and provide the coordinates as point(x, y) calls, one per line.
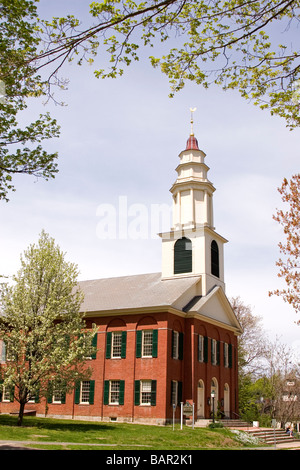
point(138, 291)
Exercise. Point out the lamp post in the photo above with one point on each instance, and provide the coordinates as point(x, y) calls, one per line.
point(213, 404)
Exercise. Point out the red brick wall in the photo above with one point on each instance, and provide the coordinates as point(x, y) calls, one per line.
point(163, 369)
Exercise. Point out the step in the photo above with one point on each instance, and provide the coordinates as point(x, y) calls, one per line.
point(235, 423)
point(270, 436)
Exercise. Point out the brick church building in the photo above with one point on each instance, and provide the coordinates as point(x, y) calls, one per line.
point(164, 338)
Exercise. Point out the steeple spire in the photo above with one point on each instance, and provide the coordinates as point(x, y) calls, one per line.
point(192, 143)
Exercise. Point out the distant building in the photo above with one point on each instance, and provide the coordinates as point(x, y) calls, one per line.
point(164, 338)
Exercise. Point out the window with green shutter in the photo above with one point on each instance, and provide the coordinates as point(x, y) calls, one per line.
point(176, 392)
point(146, 343)
point(84, 392)
point(177, 345)
point(145, 392)
point(116, 344)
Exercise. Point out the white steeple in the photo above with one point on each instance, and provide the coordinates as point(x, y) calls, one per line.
point(192, 247)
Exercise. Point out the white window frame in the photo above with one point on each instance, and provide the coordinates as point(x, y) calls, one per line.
point(6, 394)
point(85, 392)
point(116, 344)
point(145, 395)
point(146, 344)
point(116, 391)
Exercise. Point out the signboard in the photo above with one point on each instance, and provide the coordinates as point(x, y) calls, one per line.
point(187, 409)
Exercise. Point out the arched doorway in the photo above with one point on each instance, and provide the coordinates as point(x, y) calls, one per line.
point(200, 399)
point(226, 401)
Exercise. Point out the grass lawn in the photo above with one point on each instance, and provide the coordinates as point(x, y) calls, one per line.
point(114, 436)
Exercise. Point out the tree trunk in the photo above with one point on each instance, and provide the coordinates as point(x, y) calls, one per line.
point(21, 414)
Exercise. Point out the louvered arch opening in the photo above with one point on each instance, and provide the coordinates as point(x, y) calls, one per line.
point(215, 270)
point(183, 256)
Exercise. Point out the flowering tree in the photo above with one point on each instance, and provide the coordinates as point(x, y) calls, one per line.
point(250, 46)
point(21, 150)
point(289, 264)
point(42, 327)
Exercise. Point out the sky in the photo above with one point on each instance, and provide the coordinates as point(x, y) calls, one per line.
point(118, 150)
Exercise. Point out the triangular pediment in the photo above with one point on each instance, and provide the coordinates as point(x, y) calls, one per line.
point(215, 308)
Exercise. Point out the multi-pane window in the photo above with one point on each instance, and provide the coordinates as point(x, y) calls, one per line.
point(7, 393)
point(175, 345)
point(226, 355)
point(146, 392)
point(214, 351)
point(116, 344)
point(114, 392)
point(116, 347)
point(57, 396)
point(174, 392)
point(147, 343)
point(200, 348)
point(85, 391)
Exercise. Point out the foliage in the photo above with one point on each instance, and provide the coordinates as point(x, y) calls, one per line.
point(42, 326)
point(289, 266)
point(21, 151)
point(246, 46)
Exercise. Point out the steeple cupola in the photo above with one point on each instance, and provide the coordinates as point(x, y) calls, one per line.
point(192, 247)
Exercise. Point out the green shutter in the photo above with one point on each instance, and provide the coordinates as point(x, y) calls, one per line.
point(121, 393)
point(12, 394)
point(230, 355)
point(153, 393)
point(77, 392)
point(179, 392)
point(137, 392)
point(180, 354)
point(94, 345)
point(139, 343)
point(123, 347)
point(154, 343)
point(205, 351)
point(218, 353)
point(1, 389)
point(106, 392)
point(63, 397)
point(37, 395)
point(108, 345)
point(173, 340)
point(92, 392)
point(172, 388)
point(49, 392)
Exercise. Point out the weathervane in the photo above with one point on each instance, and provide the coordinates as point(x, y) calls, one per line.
point(192, 119)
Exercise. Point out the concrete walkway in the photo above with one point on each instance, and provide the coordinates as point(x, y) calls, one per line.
point(22, 445)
